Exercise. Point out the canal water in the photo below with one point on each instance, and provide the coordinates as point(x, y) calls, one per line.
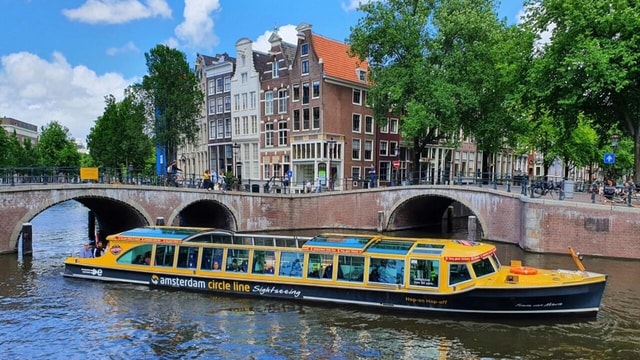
point(46, 316)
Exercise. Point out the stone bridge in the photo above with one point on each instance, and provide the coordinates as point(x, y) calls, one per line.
point(539, 225)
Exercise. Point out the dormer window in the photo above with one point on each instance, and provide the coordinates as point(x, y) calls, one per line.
point(304, 49)
point(275, 69)
point(362, 75)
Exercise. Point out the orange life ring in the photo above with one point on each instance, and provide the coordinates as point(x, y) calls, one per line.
point(524, 270)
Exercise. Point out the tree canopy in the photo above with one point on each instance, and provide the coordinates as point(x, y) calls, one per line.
point(172, 94)
point(56, 147)
point(589, 65)
point(447, 68)
point(118, 138)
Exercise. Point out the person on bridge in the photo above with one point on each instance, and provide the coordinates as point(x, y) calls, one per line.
point(372, 176)
point(206, 180)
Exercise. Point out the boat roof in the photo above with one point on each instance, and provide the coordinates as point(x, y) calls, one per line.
point(450, 250)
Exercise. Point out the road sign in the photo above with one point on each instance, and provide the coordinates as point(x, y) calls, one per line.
point(609, 158)
point(396, 164)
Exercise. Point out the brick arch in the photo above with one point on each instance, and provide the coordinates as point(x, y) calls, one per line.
point(47, 202)
point(211, 207)
point(412, 196)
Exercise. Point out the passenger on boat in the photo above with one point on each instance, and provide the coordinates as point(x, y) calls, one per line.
point(245, 266)
point(147, 259)
point(296, 268)
point(86, 251)
point(233, 266)
point(216, 265)
point(374, 275)
point(98, 251)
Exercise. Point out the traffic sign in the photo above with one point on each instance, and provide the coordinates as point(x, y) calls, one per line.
point(289, 174)
point(396, 164)
point(609, 158)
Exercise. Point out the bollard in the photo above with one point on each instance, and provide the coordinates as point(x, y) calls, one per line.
point(160, 221)
point(27, 239)
point(593, 196)
point(508, 183)
point(629, 189)
point(380, 226)
point(471, 226)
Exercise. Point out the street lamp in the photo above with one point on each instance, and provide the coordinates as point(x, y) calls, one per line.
point(331, 148)
point(236, 161)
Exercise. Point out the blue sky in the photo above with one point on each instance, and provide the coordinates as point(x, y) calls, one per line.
point(59, 59)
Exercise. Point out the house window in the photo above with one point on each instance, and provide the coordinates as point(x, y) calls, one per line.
point(244, 101)
point(305, 67)
point(268, 103)
point(368, 124)
point(355, 172)
point(385, 128)
point(305, 119)
point(393, 126)
point(244, 77)
point(219, 85)
point(212, 129)
point(368, 150)
point(275, 69)
point(316, 117)
point(236, 102)
point(227, 127)
point(316, 89)
point(355, 149)
point(296, 92)
point(305, 93)
point(212, 87)
point(227, 83)
point(283, 133)
point(362, 75)
point(220, 132)
point(356, 97)
point(355, 123)
point(219, 105)
point(254, 125)
point(227, 103)
point(384, 148)
point(296, 120)
point(393, 148)
point(254, 99)
point(283, 97)
point(268, 134)
point(212, 106)
point(304, 49)
point(236, 126)
point(245, 125)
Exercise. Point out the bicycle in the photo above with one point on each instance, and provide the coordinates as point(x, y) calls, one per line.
point(542, 188)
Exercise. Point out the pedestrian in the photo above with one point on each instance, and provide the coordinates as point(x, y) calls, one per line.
point(372, 176)
point(172, 173)
point(206, 180)
point(318, 185)
point(86, 250)
point(307, 187)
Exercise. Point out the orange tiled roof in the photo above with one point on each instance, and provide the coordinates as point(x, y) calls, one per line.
point(337, 63)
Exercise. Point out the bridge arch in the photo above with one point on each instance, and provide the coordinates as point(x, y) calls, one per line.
point(429, 207)
point(205, 213)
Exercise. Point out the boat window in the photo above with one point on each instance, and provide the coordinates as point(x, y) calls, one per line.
point(212, 259)
point(387, 271)
point(496, 261)
point(165, 255)
point(390, 247)
point(221, 238)
point(187, 257)
point(483, 267)
point(263, 262)
point(243, 240)
point(237, 260)
point(136, 255)
point(432, 249)
point(458, 273)
point(263, 241)
point(291, 264)
point(424, 272)
point(350, 268)
point(320, 266)
point(290, 242)
point(204, 238)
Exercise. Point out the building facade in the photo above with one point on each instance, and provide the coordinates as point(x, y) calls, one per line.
point(23, 130)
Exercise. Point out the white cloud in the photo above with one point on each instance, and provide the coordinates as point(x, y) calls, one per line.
point(288, 33)
point(353, 5)
point(196, 31)
point(117, 11)
point(126, 48)
point(544, 37)
point(39, 91)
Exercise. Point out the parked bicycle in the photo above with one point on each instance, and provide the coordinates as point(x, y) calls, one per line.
point(541, 188)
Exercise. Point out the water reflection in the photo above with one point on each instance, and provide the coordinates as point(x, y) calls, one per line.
point(45, 316)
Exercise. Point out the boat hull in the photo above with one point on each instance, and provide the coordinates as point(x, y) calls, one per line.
point(581, 299)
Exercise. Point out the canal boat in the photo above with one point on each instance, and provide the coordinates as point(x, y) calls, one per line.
point(416, 275)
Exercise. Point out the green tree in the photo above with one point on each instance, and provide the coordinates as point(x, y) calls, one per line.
point(118, 138)
point(589, 65)
point(446, 68)
point(5, 150)
point(56, 148)
point(171, 90)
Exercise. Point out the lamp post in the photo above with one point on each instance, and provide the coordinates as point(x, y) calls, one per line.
point(236, 163)
point(331, 148)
